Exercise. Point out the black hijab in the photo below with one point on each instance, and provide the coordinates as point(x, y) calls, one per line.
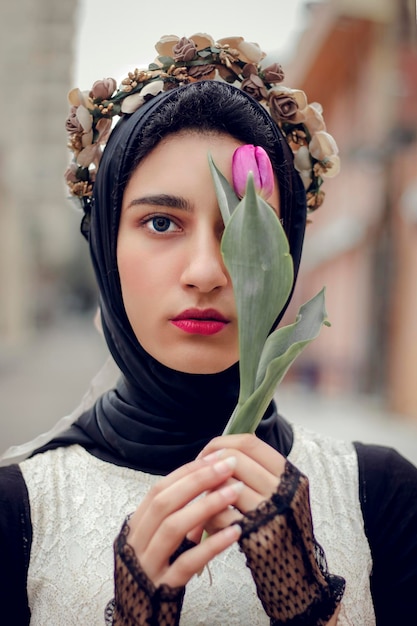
point(156, 418)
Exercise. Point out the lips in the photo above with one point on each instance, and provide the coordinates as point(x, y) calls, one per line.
point(200, 321)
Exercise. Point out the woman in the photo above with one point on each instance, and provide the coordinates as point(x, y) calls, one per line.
point(151, 448)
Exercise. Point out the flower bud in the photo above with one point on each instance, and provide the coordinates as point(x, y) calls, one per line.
point(249, 158)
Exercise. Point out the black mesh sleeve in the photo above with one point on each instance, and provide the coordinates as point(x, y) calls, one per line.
point(288, 565)
point(137, 601)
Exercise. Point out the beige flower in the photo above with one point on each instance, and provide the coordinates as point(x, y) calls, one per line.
point(313, 118)
point(329, 167)
point(76, 97)
point(303, 165)
point(90, 154)
point(322, 146)
point(85, 118)
point(248, 52)
point(103, 89)
point(103, 127)
point(136, 100)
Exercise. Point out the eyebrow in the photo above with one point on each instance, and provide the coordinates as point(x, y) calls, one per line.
point(162, 199)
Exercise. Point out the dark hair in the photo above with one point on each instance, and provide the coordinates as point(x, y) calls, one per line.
point(212, 106)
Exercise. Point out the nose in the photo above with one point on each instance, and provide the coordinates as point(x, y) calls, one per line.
point(204, 268)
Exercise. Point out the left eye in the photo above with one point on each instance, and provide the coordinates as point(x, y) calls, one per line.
point(161, 224)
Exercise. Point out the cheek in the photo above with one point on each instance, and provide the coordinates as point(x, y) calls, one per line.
point(143, 275)
point(132, 272)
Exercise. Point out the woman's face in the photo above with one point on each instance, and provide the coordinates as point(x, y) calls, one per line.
point(176, 290)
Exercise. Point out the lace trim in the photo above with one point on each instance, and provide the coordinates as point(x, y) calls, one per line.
point(138, 602)
point(288, 565)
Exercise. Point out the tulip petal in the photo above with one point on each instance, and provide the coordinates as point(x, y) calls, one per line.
point(249, 158)
point(266, 173)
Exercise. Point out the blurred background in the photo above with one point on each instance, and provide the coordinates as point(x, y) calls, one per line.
point(358, 58)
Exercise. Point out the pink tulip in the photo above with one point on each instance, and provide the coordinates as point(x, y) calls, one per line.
point(253, 159)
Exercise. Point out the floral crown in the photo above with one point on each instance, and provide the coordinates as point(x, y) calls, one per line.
point(181, 61)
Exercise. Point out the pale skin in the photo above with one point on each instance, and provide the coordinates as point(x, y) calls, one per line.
point(169, 261)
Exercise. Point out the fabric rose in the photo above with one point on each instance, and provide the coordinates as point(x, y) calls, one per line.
point(286, 104)
point(199, 71)
point(252, 83)
point(72, 123)
point(184, 50)
point(273, 73)
point(165, 46)
point(103, 89)
point(249, 158)
point(255, 87)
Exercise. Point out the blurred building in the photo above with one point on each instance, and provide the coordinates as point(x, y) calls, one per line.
point(38, 229)
point(358, 58)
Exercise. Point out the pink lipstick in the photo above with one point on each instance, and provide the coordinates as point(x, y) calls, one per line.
point(200, 321)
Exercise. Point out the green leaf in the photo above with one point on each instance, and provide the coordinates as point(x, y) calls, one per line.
point(226, 196)
point(256, 254)
point(166, 61)
point(281, 349)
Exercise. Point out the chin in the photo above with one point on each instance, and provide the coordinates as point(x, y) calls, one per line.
point(199, 365)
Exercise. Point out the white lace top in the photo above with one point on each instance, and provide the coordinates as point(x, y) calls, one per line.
point(78, 504)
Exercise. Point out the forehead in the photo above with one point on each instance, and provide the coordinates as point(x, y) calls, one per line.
point(183, 156)
point(194, 141)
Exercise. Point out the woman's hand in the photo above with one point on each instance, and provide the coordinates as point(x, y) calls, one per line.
point(258, 467)
point(277, 533)
point(173, 510)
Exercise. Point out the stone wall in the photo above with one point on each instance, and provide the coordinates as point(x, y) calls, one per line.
point(36, 221)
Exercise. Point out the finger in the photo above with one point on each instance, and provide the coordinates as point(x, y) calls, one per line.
point(171, 531)
point(222, 520)
point(256, 477)
point(174, 476)
point(164, 500)
point(195, 559)
point(196, 533)
point(252, 447)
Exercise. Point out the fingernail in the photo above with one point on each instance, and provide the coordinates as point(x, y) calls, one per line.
point(233, 532)
point(224, 467)
point(231, 490)
point(213, 455)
